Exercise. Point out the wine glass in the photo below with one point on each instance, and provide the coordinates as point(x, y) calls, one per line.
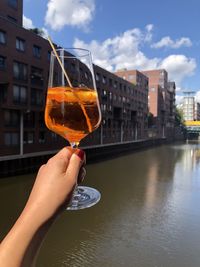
point(72, 107)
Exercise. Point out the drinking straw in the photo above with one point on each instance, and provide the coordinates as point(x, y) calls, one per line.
point(61, 65)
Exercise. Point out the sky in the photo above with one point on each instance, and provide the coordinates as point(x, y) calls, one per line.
point(127, 34)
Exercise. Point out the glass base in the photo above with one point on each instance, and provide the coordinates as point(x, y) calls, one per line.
point(84, 197)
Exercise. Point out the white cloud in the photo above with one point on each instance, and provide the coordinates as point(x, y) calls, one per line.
point(149, 29)
point(124, 51)
point(27, 23)
point(179, 100)
point(168, 42)
point(178, 67)
point(77, 13)
point(45, 33)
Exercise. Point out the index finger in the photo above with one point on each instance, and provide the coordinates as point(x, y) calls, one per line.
point(65, 153)
point(61, 159)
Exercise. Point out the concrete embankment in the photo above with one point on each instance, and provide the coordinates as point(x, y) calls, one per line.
point(29, 163)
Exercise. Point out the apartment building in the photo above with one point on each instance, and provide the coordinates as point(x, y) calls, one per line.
point(191, 109)
point(161, 98)
point(197, 111)
point(24, 68)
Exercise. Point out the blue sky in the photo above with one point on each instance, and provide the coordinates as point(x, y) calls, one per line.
point(127, 34)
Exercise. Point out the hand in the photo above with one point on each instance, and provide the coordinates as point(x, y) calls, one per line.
point(51, 192)
point(55, 183)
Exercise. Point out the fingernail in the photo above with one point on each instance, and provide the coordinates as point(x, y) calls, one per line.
point(80, 153)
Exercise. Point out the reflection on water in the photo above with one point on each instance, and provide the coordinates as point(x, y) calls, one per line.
point(148, 214)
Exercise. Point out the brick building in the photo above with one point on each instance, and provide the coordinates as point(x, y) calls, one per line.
point(165, 118)
point(24, 67)
point(161, 98)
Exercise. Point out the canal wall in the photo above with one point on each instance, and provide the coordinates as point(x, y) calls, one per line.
point(29, 163)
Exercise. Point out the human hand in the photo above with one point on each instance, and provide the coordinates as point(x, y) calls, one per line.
point(51, 192)
point(55, 183)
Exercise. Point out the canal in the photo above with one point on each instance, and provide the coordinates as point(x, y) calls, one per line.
point(148, 216)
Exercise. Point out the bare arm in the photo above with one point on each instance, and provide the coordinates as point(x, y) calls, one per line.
point(51, 192)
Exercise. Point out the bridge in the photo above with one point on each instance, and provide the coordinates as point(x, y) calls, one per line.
point(192, 129)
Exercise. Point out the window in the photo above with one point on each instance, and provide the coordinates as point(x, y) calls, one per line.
point(73, 67)
point(12, 3)
point(11, 118)
point(20, 44)
point(28, 138)
point(20, 71)
point(2, 37)
point(36, 76)
point(54, 136)
point(41, 137)
point(48, 55)
point(41, 119)
point(2, 63)
point(37, 51)
point(86, 75)
point(153, 89)
point(3, 92)
point(104, 80)
point(29, 120)
point(11, 139)
point(19, 94)
point(36, 97)
point(97, 77)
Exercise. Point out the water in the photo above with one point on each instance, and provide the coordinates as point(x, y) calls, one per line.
point(148, 216)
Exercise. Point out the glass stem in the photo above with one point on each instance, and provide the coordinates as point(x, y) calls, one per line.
point(74, 144)
point(74, 200)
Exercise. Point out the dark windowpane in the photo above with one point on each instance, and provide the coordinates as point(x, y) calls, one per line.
point(2, 37)
point(11, 139)
point(3, 92)
point(36, 97)
point(41, 137)
point(11, 118)
point(2, 63)
point(12, 3)
point(28, 137)
point(20, 71)
point(41, 119)
point(29, 120)
point(48, 55)
point(37, 51)
point(37, 76)
point(20, 44)
point(19, 94)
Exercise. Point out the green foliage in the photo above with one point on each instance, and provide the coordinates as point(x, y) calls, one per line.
point(179, 116)
point(150, 120)
point(38, 31)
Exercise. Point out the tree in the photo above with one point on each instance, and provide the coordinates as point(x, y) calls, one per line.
point(150, 120)
point(179, 119)
point(38, 31)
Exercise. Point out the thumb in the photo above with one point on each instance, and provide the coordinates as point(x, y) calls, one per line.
point(75, 163)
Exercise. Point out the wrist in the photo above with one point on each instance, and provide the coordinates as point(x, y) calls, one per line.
point(30, 216)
